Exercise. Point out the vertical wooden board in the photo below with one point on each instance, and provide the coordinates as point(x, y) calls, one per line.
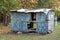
point(13, 22)
point(51, 21)
point(26, 17)
point(42, 25)
point(24, 27)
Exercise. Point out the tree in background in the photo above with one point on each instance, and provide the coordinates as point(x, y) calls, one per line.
point(32, 4)
point(53, 4)
point(29, 4)
point(43, 3)
point(56, 6)
point(5, 7)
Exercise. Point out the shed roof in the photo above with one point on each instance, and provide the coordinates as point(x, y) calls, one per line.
point(33, 10)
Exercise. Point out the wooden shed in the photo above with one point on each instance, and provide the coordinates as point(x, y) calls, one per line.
point(22, 20)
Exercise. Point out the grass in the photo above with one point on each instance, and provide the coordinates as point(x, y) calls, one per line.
point(53, 36)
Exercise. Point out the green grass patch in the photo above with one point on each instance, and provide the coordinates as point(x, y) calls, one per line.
point(58, 26)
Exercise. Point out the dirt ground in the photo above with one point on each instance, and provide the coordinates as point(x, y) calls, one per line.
point(4, 29)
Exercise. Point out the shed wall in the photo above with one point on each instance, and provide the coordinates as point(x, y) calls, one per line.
point(42, 24)
point(18, 21)
point(51, 21)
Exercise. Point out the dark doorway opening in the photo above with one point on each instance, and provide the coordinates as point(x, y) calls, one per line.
point(33, 18)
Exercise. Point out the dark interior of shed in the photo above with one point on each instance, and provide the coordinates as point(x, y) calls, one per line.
point(31, 24)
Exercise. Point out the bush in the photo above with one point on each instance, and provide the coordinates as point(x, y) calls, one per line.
point(57, 13)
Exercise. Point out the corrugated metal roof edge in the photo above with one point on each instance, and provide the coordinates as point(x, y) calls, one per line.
point(45, 10)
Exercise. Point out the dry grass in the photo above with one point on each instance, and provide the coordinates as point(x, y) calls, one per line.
point(4, 29)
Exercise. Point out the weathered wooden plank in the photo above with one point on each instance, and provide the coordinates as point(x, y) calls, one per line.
point(42, 26)
point(16, 21)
